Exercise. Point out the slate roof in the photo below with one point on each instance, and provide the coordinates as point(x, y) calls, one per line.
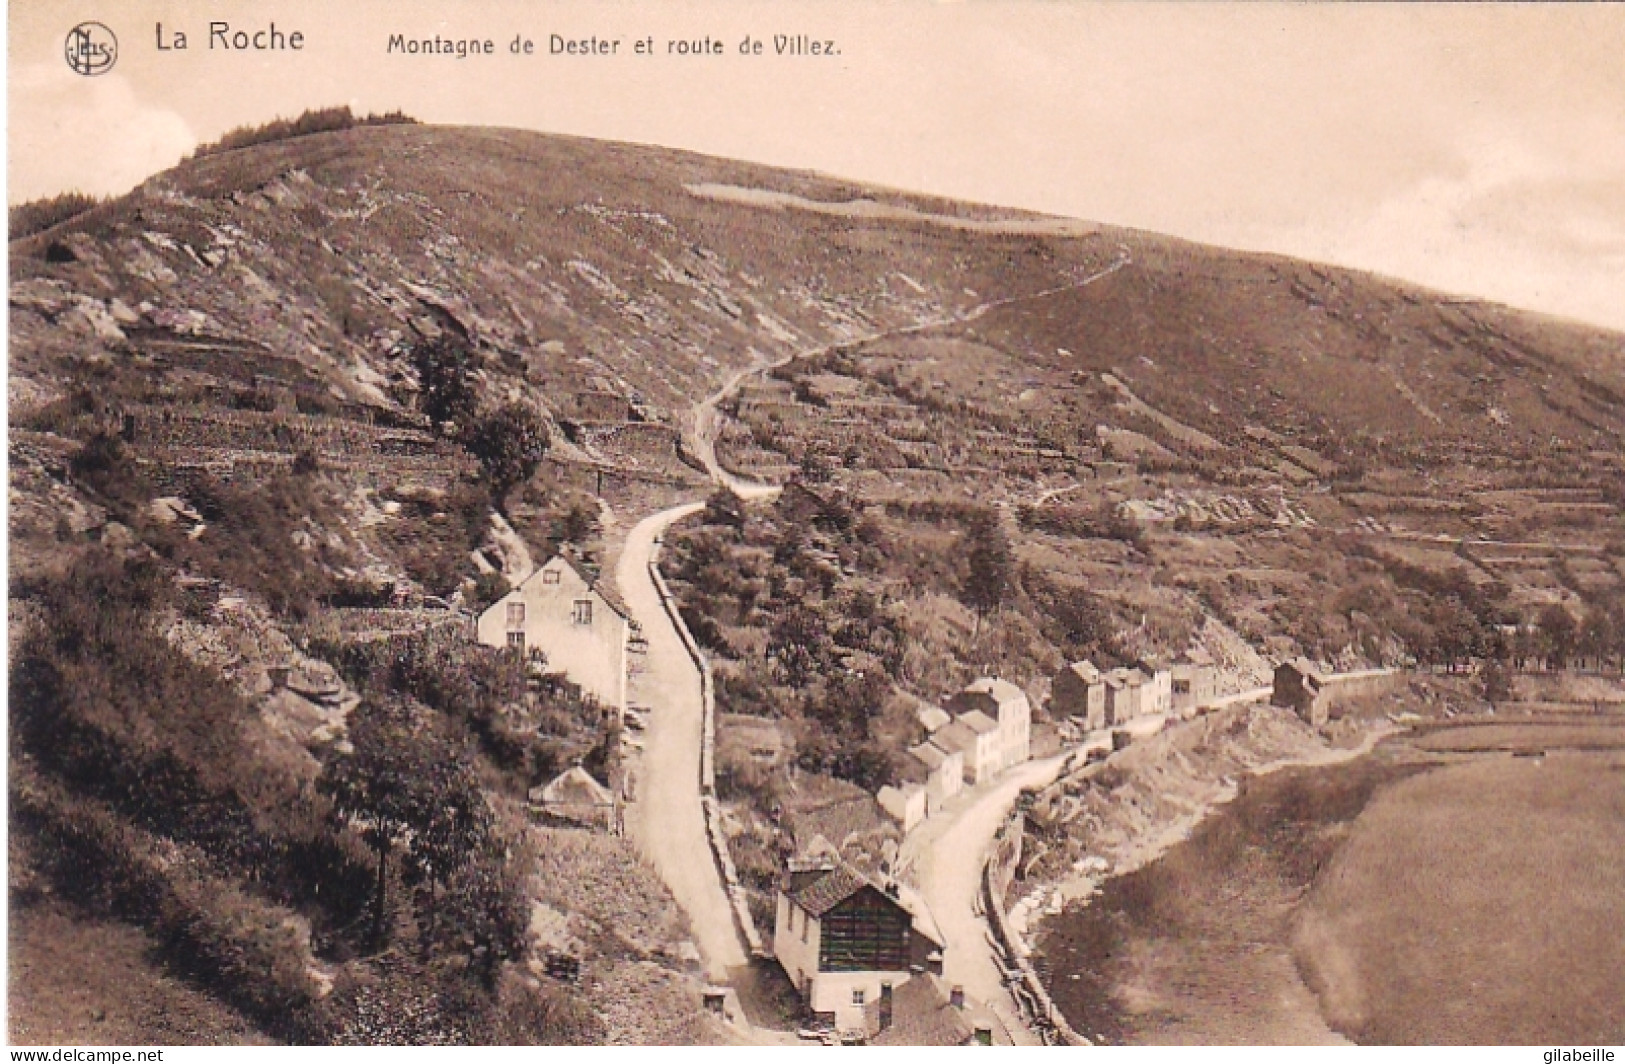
point(930, 755)
point(829, 890)
point(1001, 691)
point(977, 721)
point(956, 736)
point(921, 1016)
point(931, 718)
point(1085, 671)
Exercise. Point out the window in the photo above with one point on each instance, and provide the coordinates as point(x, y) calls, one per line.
point(516, 640)
point(806, 925)
point(516, 615)
point(857, 996)
point(550, 576)
point(583, 611)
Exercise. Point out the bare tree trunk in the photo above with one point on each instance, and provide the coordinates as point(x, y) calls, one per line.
point(379, 898)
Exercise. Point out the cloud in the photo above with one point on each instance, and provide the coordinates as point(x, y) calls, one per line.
point(1507, 219)
point(90, 134)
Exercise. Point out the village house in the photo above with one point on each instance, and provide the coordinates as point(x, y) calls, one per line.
point(580, 630)
point(905, 804)
point(1125, 695)
point(573, 795)
point(975, 737)
point(1194, 681)
point(1158, 696)
point(1078, 692)
point(942, 773)
point(1298, 685)
point(926, 1012)
point(1005, 703)
point(841, 937)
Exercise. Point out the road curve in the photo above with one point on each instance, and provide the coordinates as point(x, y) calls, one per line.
point(666, 819)
point(947, 852)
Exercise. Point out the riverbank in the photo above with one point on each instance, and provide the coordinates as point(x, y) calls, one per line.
point(1455, 883)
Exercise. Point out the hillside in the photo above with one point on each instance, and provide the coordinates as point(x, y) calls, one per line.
point(244, 403)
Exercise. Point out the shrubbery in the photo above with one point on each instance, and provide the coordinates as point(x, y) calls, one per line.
point(321, 120)
point(36, 216)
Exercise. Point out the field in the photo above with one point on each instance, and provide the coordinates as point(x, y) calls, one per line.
point(1479, 903)
point(1406, 897)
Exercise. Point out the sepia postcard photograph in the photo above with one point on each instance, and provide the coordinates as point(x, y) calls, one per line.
point(907, 524)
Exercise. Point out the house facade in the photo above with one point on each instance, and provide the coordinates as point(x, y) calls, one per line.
point(1078, 692)
point(975, 738)
point(1298, 686)
point(579, 630)
point(1194, 683)
point(1158, 695)
point(943, 772)
point(841, 938)
point(1126, 696)
point(906, 804)
point(1006, 705)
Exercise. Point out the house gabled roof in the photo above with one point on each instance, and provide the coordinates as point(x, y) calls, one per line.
point(977, 721)
point(607, 592)
point(932, 717)
point(920, 1016)
point(830, 889)
point(573, 786)
point(930, 755)
point(1001, 691)
point(1085, 671)
point(821, 895)
point(955, 737)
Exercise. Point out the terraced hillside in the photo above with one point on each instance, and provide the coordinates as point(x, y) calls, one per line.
point(251, 514)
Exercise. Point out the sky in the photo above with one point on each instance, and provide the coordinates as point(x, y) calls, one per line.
point(1479, 149)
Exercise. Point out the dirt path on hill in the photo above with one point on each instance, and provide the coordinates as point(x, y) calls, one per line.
point(665, 818)
point(705, 419)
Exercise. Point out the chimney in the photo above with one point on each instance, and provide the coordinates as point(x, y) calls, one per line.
point(956, 996)
point(885, 1006)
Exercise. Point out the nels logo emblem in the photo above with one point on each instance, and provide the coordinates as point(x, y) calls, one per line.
point(91, 49)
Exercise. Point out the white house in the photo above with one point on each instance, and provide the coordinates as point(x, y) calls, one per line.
point(1005, 704)
point(580, 629)
point(842, 938)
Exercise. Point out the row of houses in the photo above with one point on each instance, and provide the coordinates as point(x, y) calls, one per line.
point(985, 729)
point(1095, 699)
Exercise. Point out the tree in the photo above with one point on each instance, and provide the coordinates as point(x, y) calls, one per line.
point(484, 912)
point(406, 787)
point(1495, 681)
point(1597, 636)
point(1557, 635)
point(991, 566)
point(723, 509)
point(509, 443)
point(445, 387)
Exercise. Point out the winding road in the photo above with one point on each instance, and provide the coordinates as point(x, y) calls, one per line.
point(666, 819)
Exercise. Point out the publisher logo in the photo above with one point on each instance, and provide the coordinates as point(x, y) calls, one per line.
point(91, 49)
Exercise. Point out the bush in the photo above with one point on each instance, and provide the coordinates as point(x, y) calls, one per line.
point(36, 216)
point(322, 120)
point(254, 955)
